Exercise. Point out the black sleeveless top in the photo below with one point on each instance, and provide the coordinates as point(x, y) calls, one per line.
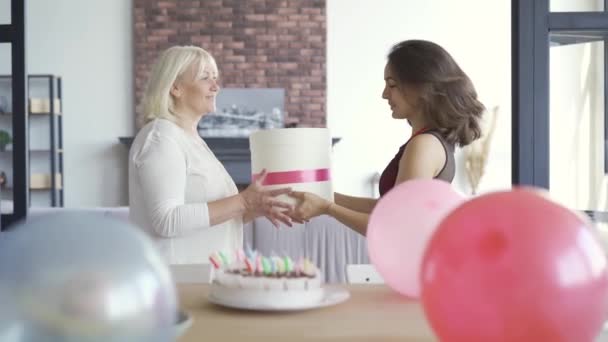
point(389, 175)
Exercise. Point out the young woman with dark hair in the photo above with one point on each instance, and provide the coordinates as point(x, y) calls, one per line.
point(426, 87)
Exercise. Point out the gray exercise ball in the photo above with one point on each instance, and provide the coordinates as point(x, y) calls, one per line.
point(83, 277)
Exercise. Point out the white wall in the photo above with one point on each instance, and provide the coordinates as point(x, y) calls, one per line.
point(88, 44)
point(360, 33)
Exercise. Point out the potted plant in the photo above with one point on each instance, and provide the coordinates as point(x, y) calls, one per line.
point(5, 139)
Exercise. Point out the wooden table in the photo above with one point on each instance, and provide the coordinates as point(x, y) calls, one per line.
point(373, 313)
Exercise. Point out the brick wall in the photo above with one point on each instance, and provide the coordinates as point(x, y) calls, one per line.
point(257, 44)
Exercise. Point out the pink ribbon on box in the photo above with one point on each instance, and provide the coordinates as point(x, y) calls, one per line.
point(292, 177)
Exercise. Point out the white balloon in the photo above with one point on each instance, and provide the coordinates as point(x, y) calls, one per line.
point(83, 277)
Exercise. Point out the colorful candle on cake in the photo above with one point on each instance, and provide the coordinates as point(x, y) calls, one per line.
point(215, 261)
point(225, 259)
point(288, 264)
point(258, 264)
point(266, 266)
point(251, 254)
point(249, 266)
point(278, 265)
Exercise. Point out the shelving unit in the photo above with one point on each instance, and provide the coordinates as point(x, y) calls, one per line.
point(45, 153)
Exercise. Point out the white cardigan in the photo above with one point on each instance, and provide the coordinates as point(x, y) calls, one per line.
point(172, 176)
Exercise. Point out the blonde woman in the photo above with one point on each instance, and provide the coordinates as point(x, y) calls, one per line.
point(178, 191)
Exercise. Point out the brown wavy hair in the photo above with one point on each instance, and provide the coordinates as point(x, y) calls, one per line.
point(447, 96)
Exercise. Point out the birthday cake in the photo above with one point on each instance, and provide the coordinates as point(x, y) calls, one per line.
point(250, 280)
point(299, 158)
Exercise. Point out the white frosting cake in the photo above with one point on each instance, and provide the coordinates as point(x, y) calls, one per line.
point(299, 158)
point(256, 281)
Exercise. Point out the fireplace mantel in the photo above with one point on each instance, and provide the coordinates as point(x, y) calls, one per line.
point(232, 152)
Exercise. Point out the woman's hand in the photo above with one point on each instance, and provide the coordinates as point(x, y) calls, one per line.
point(309, 205)
point(260, 202)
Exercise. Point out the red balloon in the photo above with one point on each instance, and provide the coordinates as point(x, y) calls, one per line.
point(515, 266)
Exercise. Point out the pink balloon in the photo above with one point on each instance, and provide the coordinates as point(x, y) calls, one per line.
point(515, 266)
point(400, 226)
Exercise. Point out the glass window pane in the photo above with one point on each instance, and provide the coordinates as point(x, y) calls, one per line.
point(5, 12)
point(576, 91)
point(6, 106)
point(576, 5)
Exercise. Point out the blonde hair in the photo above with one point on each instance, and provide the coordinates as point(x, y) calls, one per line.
point(157, 101)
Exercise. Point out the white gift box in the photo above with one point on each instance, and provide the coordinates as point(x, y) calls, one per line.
point(299, 158)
